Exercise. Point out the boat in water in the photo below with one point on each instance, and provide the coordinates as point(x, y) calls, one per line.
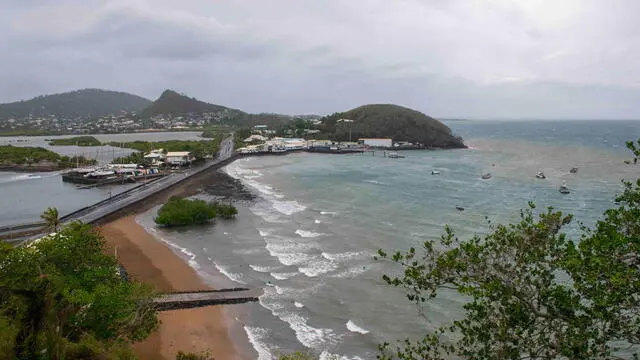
point(563, 188)
point(394, 155)
point(460, 208)
point(486, 176)
point(435, 172)
point(574, 170)
point(540, 175)
point(107, 176)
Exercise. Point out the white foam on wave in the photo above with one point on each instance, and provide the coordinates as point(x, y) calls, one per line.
point(328, 213)
point(264, 269)
point(191, 256)
point(345, 255)
point(308, 234)
point(376, 182)
point(325, 355)
point(308, 335)
point(290, 259)
point(283, 276)
point(351, 273)
point(288, 207)
point(231, 276)
point(317, 221)
point(317, 266)
point(298, 305)
point(256, 337)
point(355, 328)
point(264, 232)
point(266, 215)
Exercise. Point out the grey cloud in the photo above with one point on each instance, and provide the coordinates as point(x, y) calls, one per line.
point(504, 58)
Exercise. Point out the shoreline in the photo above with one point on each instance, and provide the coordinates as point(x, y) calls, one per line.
point(153, 261)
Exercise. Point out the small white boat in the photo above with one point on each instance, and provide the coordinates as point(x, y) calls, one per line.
point(486, 176)
point(435, 172)
point(563, 188)
point(395, 155)
point(540, 175)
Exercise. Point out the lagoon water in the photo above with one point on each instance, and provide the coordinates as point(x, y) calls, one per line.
point(318, 219)
point(24, 196)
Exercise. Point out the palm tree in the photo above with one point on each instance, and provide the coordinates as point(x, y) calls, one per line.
point(51, 218)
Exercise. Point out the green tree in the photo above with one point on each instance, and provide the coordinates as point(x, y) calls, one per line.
point(51, 218)
point(532, 292)
point(62, 298)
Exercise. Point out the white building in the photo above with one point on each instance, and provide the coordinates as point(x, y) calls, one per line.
point(379, 143)
point(178, 157)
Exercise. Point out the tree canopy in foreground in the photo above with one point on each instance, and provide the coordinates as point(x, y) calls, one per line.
point(532, 292)
point(62, 298)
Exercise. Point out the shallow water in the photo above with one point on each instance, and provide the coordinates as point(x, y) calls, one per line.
point(311, 234)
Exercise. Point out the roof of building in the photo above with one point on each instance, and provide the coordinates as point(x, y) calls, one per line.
point(178, 153)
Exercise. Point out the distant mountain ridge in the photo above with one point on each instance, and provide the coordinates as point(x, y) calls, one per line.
point(391, 121)
point(80, 103)
point(172, 103)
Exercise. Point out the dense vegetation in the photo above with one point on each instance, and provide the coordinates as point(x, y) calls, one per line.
point(199, 148)
point(63, 298)
point(78, 141)
point(532, 292)
point(239, 136)
point(179, 212)
point(390, 121)
point(28, 132)
point(216, 131)
point(172, 103)
point(87, 102)
point(25, 156)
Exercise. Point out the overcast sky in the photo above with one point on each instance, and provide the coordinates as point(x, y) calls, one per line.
point(447, 58)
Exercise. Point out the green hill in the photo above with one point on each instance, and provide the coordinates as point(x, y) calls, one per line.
point(86, 102)
point(172, 103)
point(391, 121)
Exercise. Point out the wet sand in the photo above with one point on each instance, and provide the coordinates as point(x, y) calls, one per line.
point(149, 260)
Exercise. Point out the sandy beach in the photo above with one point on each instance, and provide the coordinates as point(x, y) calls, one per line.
point(149, 260)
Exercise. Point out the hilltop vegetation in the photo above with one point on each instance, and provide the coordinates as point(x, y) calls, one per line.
point(80, 103)
point(172, 103)
point(180, 212)
point(390, 121)
point(78, 141)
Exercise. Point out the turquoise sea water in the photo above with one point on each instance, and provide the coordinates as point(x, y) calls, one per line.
point(318, 220)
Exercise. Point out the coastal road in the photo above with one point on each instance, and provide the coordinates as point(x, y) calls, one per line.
point(102, 209)
point(224, 153)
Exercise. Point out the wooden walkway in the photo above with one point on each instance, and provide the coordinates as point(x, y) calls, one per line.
point(188, 300)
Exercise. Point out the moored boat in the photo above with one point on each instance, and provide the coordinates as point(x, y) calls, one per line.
point(540, 175)
point(563, 188)
point(486, 176)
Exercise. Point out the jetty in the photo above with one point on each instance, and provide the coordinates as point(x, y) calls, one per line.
point(188, 300)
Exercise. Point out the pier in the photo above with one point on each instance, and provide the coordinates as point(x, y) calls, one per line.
point(188, 300)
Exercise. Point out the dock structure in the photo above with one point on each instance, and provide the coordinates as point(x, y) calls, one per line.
point(188, 300)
